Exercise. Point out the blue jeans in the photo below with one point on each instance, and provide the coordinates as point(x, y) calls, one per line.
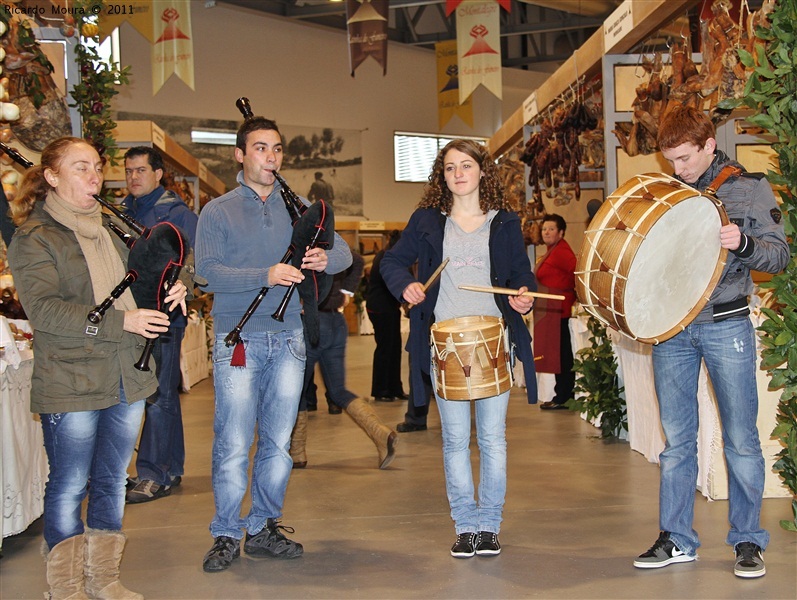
point(94, 445)
point(331, 354)
point(491, 438)
point(729, 351)
point(263, 394)
point(161, 450)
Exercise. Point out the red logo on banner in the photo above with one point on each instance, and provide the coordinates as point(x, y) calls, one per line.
point(170, 16)
point(480, 45)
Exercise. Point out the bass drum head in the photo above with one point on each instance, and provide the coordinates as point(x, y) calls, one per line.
point(674, 271)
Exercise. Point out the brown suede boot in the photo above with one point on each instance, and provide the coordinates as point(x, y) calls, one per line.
point(385, 438)
point(103, 556)
point(65, 569)
point(299, 441)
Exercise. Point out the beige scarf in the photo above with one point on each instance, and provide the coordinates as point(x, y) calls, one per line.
point(105, 265)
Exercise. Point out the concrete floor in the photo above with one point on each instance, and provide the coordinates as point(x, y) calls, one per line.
point(578, 511)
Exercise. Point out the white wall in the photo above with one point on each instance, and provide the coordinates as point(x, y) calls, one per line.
point(299, 75)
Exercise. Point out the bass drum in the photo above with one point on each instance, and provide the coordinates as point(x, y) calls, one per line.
point(651, 257)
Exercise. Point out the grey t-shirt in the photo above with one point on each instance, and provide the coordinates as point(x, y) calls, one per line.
point(469, 264)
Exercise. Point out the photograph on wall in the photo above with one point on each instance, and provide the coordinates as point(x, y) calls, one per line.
point(319, 162)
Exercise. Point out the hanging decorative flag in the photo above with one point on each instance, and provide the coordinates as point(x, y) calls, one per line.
point(139, 16)
point(478, 48)
point(451, 5)
point(173, 49)
point(448, 86)
point(367, 25)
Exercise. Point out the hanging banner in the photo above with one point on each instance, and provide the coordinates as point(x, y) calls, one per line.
point(138, 14)
point(478, 48)
point(173, 49)
point(366, 21)
point(448, 86)
point(451, 5)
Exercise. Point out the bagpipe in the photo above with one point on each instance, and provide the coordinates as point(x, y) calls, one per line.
point(154, 263)
point(313, 227)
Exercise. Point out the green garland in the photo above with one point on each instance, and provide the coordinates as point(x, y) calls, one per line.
point(98, 84)
point(598, 384)
point(772, 92)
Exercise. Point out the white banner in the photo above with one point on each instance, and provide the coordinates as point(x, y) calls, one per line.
point(173, 49)
point(478, 47)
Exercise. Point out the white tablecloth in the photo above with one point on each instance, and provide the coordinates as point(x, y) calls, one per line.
point(23, 462)
point(635, 371)
point(194, 361)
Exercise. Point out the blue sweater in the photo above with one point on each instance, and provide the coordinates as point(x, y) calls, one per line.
point(238, 238)
point(422, 240)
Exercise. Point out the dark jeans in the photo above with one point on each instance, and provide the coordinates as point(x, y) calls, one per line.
point(386, 375)
point(417, 414)
point(161, 450)
point(331, 355)
point(566, 378)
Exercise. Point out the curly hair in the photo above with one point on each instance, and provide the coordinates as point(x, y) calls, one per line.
point(491, 194)
point(34, 186)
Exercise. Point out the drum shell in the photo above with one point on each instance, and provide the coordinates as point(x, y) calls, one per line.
point(481, 343)
point(625, 222)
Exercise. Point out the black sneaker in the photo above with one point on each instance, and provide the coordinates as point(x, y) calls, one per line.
point(465, 546)
point(487, 544)
point(749, 560)
point(220, 556)
point(664, 552)
point(147, 490)
point(272, 543)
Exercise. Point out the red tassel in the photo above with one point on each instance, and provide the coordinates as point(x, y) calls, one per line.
point(238, 356)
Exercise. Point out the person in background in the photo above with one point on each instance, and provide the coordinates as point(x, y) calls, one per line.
point(321, 190)
point(384, 312)
point(331, 355)
point(555, 274)
point(161, 449)
point(241, 238)
point(88, 394)
point(465, 217)
point(722, 337)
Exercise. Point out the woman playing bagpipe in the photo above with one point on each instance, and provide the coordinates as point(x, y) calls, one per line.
point(258, 371)
point(85, 386)
point(463, 224)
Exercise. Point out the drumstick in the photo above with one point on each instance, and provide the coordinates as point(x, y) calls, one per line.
point(509, 292)
point(432, 279)
point(435, 275)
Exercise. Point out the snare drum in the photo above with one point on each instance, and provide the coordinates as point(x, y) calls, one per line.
point(470, 358)
point(651, 257)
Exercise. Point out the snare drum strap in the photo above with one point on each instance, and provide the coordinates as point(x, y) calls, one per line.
point(727, 171)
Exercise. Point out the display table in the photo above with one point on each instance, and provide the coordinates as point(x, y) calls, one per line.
point(194, 362)
point(23, 461)
point(635, 372)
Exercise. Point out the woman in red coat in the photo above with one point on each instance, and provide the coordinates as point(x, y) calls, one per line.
point(552, 349)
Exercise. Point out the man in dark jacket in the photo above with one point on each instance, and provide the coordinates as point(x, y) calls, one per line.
point(161, 450)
